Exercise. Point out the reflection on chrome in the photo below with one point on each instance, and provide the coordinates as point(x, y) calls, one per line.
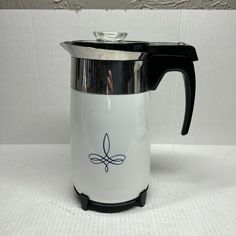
point(108, 77)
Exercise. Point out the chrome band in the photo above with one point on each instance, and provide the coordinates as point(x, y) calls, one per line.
point(108, 77)
point(101, 54)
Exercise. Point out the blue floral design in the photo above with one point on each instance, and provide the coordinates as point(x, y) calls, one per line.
point(117, 159)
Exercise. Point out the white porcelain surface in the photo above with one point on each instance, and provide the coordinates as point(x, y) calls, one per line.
point(125, 119)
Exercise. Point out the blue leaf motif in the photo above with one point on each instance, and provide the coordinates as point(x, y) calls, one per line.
point(95, 158)
point(106, 144)
point(117, 159)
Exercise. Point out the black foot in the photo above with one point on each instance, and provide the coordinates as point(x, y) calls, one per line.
point(84, 201)
point(141, 200)
point(111, 207)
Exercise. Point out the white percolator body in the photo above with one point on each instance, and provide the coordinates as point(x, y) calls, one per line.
point(110, 98)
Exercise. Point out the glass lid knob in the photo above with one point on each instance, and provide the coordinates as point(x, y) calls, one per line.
point(109, 36)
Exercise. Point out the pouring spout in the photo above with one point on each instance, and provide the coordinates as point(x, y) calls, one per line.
point(67, 47)
point(94, 50)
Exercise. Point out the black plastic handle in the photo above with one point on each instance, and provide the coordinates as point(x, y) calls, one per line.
point(159, 64)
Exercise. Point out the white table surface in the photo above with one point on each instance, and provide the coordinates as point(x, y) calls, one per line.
point(192, 192)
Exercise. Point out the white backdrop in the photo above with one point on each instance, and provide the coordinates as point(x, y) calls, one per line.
point(35, 71)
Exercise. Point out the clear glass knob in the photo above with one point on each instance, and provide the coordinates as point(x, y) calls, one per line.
point(110, 36)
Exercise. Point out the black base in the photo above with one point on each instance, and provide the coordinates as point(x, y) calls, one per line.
point(111, 207)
